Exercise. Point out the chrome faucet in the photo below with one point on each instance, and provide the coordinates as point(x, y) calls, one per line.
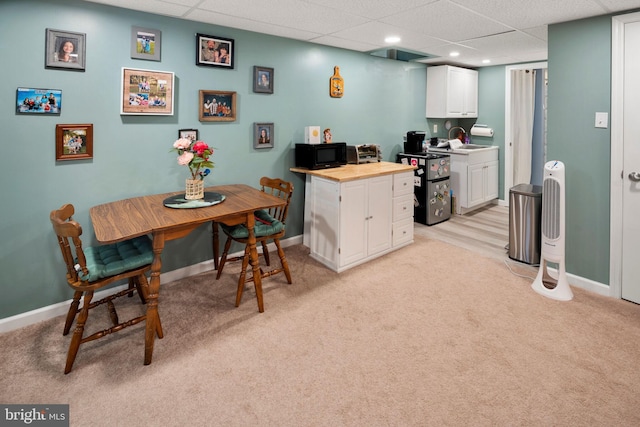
point(456, 127)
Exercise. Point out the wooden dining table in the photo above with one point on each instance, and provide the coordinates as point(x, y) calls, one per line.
point(144, 215)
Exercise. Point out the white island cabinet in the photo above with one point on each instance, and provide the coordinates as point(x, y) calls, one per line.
point(356, 213)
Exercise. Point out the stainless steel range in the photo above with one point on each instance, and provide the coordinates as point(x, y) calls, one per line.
point(432, 198)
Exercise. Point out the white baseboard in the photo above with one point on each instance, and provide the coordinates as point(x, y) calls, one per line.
point(60, 309)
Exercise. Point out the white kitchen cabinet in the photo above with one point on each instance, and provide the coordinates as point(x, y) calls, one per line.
point(452, 92)
point(350, 219)
point(474, 178)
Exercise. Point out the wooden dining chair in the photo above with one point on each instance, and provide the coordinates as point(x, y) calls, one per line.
point(95, 267)
point(269, 226)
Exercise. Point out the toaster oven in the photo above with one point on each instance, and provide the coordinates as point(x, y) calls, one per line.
point(365, 153)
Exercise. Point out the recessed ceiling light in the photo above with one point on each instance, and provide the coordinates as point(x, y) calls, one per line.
point(392, 39)
point(486, 61)
point(454, 54)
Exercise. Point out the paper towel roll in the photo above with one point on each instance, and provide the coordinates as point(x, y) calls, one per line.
point(481, 130)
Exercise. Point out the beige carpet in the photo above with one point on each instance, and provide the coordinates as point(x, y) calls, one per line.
point(428, 335)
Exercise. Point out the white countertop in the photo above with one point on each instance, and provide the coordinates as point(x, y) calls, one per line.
point(471, 148)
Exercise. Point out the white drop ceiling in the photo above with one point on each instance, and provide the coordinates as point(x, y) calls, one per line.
point(502, 31)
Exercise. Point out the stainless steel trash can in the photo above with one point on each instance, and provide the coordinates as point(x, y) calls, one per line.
point(525, 210)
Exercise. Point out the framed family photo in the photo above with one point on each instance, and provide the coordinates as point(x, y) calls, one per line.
point(74, 142)
point(263, 135)
point(262, 79)
point(38, 101)
point(146, 43)
point(65, 49)
point(217, 106)
point(191, 134)
point(214, 51)
point(146, 92)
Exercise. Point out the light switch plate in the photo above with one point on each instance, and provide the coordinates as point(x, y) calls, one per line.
point(435, 128)
point(602, 120)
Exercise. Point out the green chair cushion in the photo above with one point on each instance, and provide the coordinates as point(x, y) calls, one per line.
point(266, 225)
point(109, 260)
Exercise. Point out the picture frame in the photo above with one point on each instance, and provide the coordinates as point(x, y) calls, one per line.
point(65, 50)
point(263, 79)
point(217, 106)
point(74, 142)
point(146, 92)
point(263, 135)
point(38, 101)
point(146, 43)
point(191, 134)
point(215, 51)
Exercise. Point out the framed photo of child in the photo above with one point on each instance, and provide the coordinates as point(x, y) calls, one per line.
point(65, 49)
point(263, 135)
point(74, 142)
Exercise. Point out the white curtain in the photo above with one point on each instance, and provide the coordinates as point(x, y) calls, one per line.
point(523, 85)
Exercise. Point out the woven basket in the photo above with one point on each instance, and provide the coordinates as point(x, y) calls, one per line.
point(194, 189)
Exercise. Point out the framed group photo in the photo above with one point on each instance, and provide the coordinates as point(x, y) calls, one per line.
point(214, 51)
point(146, 43)
point(38, 101)
point(191, 134)
point(74, 142)
point(217, 106)
point(263, 135)
point(65, 49)
point(262, 79)
point(146, 92)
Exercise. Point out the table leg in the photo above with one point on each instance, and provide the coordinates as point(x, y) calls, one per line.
point(215, 244)
point(153, 321)
point(253, 258)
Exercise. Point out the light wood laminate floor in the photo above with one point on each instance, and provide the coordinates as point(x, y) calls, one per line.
point(485, 230)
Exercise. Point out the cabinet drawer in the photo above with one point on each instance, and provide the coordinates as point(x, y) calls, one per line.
point(403, 207)
point(402, 183)
point(402, 232)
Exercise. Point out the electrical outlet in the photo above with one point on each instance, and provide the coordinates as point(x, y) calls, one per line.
point(435, 128)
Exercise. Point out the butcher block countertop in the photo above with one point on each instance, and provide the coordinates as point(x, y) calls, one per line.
point(353, 172)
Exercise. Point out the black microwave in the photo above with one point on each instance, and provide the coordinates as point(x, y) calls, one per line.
point(320, 156)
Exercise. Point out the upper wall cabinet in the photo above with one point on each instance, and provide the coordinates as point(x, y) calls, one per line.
point(452, 92)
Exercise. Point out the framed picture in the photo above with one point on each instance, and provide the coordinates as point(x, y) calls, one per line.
point(146, 92)
point(74, 142)
point(65, 50)
point(262, 79)
point(146, 43)
point(263, 135)
point(214, 51)
point(217, 106)
point(191, 134)
point(38, 101)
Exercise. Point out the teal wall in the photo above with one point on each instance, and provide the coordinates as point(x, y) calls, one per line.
point(579, 85)
point(383, 99)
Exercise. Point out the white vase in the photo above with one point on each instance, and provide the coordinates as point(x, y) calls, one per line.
point(194, 189)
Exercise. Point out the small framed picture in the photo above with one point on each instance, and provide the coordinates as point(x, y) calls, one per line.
point(38, 101)
point(65, 50)
point(191, 134)
point(214, 51)
point(146, 43)
point(146, 92)
point(217, 106)
point(74, 142)
point(263, 135)
point(262, 79)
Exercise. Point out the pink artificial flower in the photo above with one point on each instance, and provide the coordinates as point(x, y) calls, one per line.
point(182, 144)
point(185, 158)
point(200, 147)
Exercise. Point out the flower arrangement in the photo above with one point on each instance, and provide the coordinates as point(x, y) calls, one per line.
point(194, 155)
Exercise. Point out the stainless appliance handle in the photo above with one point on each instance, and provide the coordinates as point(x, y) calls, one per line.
point(634, 176)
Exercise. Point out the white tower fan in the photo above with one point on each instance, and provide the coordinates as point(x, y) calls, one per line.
point(553, 239)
